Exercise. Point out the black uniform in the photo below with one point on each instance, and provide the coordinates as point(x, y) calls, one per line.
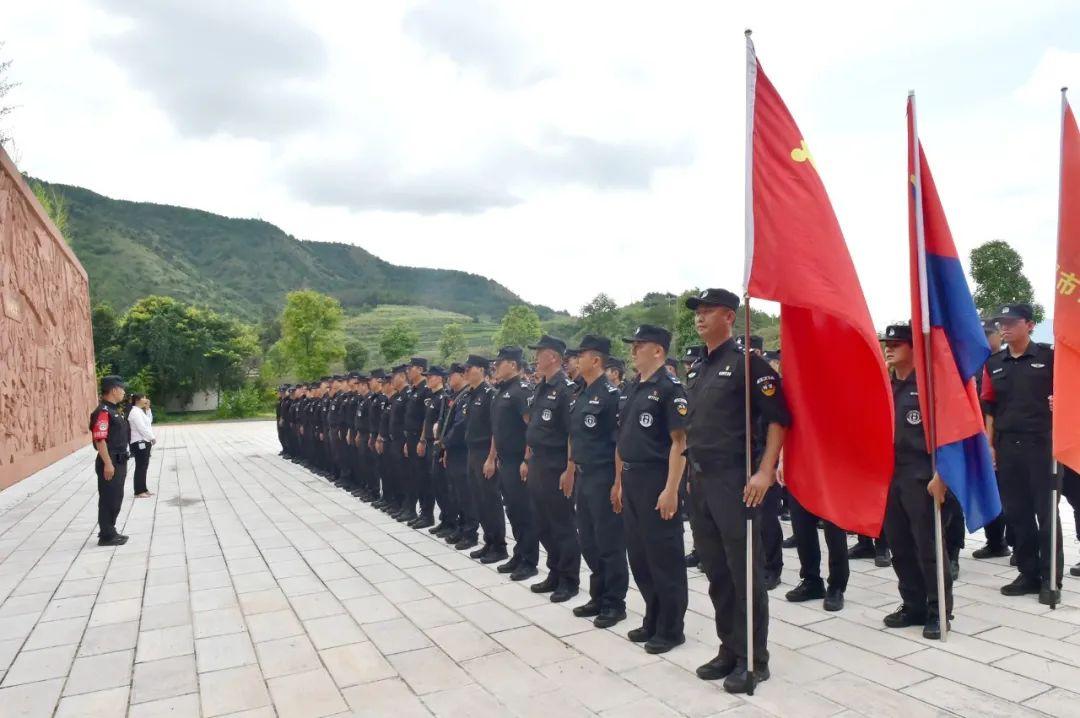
point(1017, 397)
point(594, 426)
point(485, 491)
point(457, 466)
point(376, 408)
point(547, 437)
point(433, 412)
point(654, 407)
point(396, 465)
point(416, 467)
point(509, 412)
point(909, 516)
point(716, 444)
point(107, 423)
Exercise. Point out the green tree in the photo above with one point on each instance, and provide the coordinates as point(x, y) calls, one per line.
point(398, 340)
point(105, 324)
point(452, 343)
point(520, 327)
point(997, 269)
point(176, 349)
point(311, 336)
point(683, 333)
point(54, 204)
point(356, 355)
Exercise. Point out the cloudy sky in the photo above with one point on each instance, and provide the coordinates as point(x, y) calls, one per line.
point(561, 148)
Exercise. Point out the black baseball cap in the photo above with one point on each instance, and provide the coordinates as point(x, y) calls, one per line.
point(477, 360)
point(436, 370)
point(713, 298)
point(1015, 311)
point(420, 362)
point(897, 333)
point(550, 342)
point(378, 374)
point(457, 368)
point(510, 353)
point(671, 363)
point(614, 363)
point(594, 343)
point(990, 326)
point(571, 353)
point(400, 368)
point(756, 342)
point(650, 333)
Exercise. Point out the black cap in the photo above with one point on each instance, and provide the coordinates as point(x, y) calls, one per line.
point(594, 343)
point(714, 298)
point(650, 333)
point(314, 385)
point(571, 353)
point(477, 360)
point(457, 368)
point(756, 342)
point(1015, 311)
point(614, 363)
point(400, 368)
point(550, 342)
point(897, 333)
point(693, 353)
point(378, 374)
point(354, 375)
point(990, 326)
point(420, 362)
point(436, 370)
point(511, 354)
point(671, 363)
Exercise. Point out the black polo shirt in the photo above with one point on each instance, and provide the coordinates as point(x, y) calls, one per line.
point(716, 423)
point(398, 406)
point(594, 424)
point(108, 424)
point(654, 408)
point(415, 408)
point(1018, 393)
point(909, 442)
point(509, 410)
point(549, 414)
point(478, 429)
point(433, 407)
point(453, 434)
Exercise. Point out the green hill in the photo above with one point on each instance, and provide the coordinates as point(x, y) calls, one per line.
point(427, 322)
point(244, 267)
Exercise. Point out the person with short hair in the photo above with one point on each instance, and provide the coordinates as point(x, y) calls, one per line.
point(141, 421)
point(111, 436)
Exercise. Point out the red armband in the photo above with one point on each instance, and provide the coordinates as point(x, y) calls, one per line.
point(988, 393)
point(100, 428)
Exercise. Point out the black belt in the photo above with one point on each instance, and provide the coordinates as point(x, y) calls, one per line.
point(717, 464)
point(643, 465)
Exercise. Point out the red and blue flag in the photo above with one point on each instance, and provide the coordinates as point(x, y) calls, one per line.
point(944, 318)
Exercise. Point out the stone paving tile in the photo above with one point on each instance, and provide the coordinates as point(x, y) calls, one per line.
point(272, 593)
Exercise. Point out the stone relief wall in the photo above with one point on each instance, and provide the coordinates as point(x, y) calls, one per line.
point(47, 382)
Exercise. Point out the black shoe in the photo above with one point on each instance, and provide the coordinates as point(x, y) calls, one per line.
point(587, 610)
point(465, 543)
point(989, 551)
point(932, 629)
point(954, 568)
point(510, 566)
point(772, 580)
point(438, 528)
point(378, 503)
point(523, 572)
point(116, 540)
point(563, 594)
point(548, 585)
point(1047, 596)
point(861, 550)
point(480, 552)
point(805, 591)
point(883, 559)
point(1012, 560)
point(609, 617)
point(903, 617)
point(494, 556)
point(1021, 586)
point(639, 634)
point(406, 516)
point(443, 532)
point(789, 542)
point(662, 645)
point(1075, 570)
point(741, 680)
point(717, 668)
point(424, 522)
point(454, 538)
point(834, 600)
point(412, 523)
point(692, 559)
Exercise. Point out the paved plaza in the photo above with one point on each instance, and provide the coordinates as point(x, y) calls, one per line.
point(251, 587)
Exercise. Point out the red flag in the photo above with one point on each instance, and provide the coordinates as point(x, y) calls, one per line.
point(838, 455)
point(1067, 299)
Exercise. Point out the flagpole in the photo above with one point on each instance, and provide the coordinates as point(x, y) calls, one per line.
point(1054, 499)
point(924, 314)
point(751, 77)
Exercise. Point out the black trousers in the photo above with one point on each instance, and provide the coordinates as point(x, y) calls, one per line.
point(998, 532)
point(457, 478)
point(110, 494)
point(719, 525)
point(488, 500)
point(805, 526)
point(554, 514)
point(519, 510)
point(909, 525)
point(654, 547)
point(394, 465)
point(410, 484)
point(142, 463)
point(440, 487)
point(772, 536)
point(601, 534)
point(1070, 488)
point(1024, 465)
point(955, 535)
point(425, 491)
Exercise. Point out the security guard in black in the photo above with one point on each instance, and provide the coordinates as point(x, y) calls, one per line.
point(111, 435)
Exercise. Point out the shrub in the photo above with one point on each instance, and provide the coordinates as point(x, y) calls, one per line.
point(245, 402)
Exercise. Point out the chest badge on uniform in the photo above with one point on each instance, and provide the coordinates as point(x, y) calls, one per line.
point(914, 417)
point(590, 420)
point(546, 415)
point(1038, 366)
point(645, 419)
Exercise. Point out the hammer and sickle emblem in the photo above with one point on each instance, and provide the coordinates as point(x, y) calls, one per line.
point(802, 154)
